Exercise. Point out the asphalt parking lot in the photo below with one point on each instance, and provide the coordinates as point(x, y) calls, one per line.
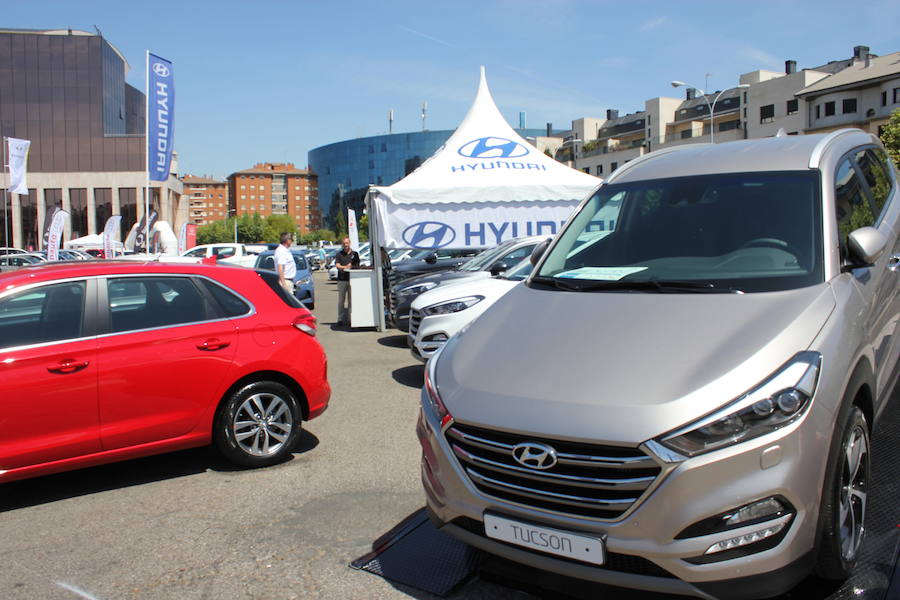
point(189, 525)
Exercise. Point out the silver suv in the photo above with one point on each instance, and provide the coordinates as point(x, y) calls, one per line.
point(680, 396)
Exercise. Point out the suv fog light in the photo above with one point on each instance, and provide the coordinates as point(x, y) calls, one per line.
point(744, 540)
point(768, 508)
point(438, 337)
point(760, 512)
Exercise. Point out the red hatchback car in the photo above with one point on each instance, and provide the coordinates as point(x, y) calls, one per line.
point(106, 361)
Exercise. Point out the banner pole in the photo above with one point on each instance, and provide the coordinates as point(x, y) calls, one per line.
point(6, 196)
point(147, 152)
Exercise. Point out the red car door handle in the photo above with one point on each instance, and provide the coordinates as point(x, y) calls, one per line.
point(68, 366)
point(213, 344)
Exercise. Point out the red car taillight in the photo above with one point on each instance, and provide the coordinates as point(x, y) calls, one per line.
point(305, 322)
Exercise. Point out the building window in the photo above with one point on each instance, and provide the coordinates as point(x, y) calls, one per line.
point(829, 108)
point(818, 111)
point(767, 113)
point(897, 95)
point(371, 149)
point(586, 170)
point(384, 147)
point(729, 125)
point(599, 169)
point(613, 166)
point(243, 196)
point(687, 133)
point(793, 106)
point(243, 187)
point(884, 98)
point(848, 105)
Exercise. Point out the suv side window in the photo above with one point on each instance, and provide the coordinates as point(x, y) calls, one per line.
point(198, 253)
point(872, 164)
point(147, 302)
point(851, 205)
point(46, 314)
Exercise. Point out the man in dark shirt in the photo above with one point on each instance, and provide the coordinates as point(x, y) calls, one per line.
point(345, 260)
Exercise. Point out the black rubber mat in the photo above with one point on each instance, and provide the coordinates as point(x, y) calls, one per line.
point(417, 555)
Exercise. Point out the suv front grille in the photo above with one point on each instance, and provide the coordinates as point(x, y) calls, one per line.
point(415, 319)
point(599, 482)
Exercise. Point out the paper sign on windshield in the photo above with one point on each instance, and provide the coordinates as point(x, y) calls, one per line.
point(600, 273)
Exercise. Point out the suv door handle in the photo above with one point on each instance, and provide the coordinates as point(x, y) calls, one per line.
point(68, 365)
point(894, 262)
point(213, 344)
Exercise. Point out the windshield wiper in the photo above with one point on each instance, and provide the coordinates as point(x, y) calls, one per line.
point(662, 286)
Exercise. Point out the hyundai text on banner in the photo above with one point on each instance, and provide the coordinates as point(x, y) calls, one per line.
point(161, 109)
point(18, 161)
point(55, 234)
point(109, 232)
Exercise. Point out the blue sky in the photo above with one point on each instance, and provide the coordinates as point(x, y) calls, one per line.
point(268, 81)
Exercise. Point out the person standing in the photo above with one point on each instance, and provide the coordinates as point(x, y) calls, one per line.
point(284, 263)
point(345, 260)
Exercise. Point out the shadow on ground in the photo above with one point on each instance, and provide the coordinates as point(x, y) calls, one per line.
point(82, 482)
point(393, 341)
point(412, 376)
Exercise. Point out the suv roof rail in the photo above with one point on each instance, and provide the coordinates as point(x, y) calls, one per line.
point(816, 155)
point(642, 159)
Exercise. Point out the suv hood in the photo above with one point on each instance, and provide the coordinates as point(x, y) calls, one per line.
point(620, 367)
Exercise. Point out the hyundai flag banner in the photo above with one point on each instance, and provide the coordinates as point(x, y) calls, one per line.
point(18, 161)
point(140, 237)
point(109, 234)
point(161, 112)
point(353, 232)
point(54, 236)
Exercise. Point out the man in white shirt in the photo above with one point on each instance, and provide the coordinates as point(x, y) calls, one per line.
point(284, 264)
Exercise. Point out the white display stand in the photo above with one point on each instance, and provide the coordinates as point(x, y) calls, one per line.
point(363, 294)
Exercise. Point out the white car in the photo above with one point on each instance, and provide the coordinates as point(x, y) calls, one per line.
point(436, 315)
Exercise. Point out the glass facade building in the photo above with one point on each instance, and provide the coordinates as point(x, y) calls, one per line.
point(347, 169)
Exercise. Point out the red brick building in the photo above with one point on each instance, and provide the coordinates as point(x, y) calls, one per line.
point(208, 199)
point(277, 189)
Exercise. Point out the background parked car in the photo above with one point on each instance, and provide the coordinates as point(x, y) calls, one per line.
point(492, 261)
point(438, 314)
point(304, 288)
point(118, 359)
point(22, 259)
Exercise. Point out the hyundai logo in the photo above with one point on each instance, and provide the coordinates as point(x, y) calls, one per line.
point(492, 147)
point(161, 69)
point(429, 234)
point(534, 455)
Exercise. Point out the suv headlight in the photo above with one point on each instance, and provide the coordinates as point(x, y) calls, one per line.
point(432, 394)
point(415, 290)
point(778, 401)
point(451, 306)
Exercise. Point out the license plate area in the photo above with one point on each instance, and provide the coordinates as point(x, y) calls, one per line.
point(546, 539)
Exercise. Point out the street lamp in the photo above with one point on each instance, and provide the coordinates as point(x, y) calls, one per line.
point(742, 86)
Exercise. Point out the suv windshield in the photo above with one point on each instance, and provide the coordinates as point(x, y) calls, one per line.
point(749, 232)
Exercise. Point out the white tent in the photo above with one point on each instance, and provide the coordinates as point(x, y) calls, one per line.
point(485, 185)
point(94, 240)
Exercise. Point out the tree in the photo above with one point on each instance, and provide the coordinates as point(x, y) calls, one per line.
point(278, 224)
point(890, 136)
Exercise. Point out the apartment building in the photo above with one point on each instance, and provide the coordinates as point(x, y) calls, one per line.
point(863, 95)
point(860, 91)
point(208, 199)
point(277, 189)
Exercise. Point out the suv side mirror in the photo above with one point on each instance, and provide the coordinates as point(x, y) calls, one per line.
point(538, 251)
point(499, 267)
point(865, 245)
point(431, 258)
